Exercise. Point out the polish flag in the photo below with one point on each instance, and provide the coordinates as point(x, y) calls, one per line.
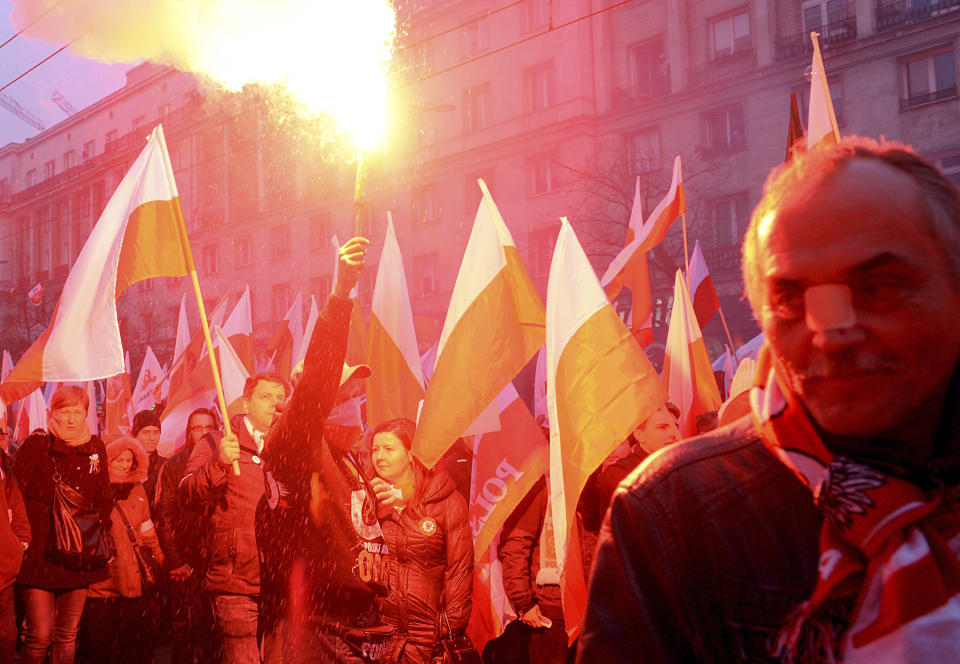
point(288, 337)
point(705, 301)
point(31, 415)
point(687, 374)
point(629, 268)
point(396, 385)
point(233, 375)
point(238, 329)
point(117, 413)
point(821, 120)
point(301, 350)
point(600, 387)
point(506, 465)
point(140, 235)
point(184, 377)
point(149, 379)
point(36, 293)
point(491, 607)
point(493, 327)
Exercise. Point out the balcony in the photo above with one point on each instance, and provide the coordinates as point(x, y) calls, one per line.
point(930, 97)
point(893, 14)
point(830, 34)
point(722, 68)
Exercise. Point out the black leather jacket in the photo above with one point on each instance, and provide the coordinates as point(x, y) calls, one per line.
point(707, 548)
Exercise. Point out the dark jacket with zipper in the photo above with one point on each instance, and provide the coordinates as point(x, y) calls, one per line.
point(431, 567)
point(233, 565)
point(181, 524)
point(14, 525)
point(79, 469)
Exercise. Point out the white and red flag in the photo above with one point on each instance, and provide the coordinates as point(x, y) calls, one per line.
point(117, 412)
point(821, 119)
point(629, 268)
point(493, 327)
point(149, 380)
point(233, 374)
point(704, 295)
point(687, 374)
point(396, 385)
point(36, 293)
point(31, 415)
point(301, 350)
point(506, 465)
point(287, 338)
point(600, 387)
point(140, 235)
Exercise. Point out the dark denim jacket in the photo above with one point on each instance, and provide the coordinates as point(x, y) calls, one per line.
point(707, 548)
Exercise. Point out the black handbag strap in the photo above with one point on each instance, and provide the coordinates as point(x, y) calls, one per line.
point(126, 525)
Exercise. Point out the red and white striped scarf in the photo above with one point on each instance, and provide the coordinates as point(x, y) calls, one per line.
point(887, 548)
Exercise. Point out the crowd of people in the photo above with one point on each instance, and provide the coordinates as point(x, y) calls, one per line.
point(280, 536)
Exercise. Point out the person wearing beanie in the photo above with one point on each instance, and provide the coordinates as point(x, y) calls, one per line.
point(146, 429)
point(113, 627)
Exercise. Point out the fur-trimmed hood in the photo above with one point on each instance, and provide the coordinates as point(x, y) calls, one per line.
point(141, 461)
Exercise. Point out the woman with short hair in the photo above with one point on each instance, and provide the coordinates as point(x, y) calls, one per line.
point(54, 588)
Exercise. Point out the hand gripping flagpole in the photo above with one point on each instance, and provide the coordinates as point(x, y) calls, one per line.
point(196, 289)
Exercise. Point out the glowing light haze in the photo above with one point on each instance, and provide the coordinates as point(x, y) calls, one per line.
point(333, 56)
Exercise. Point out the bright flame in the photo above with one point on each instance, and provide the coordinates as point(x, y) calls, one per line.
point(333, 56)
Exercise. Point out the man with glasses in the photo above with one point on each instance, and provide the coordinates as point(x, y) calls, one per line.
point(181, 527)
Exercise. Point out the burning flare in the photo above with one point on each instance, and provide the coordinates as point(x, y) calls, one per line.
point(333, 56)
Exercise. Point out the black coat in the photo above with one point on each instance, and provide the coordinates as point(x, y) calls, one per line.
point(34, 468)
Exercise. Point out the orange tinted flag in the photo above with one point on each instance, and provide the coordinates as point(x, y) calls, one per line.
point(821, 119)
point(687, 374)
point(600, 386)
point(140, 235)
point(494, 326)
point(396, 386)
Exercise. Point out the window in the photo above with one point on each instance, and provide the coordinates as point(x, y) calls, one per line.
point(542, 175)
point(31, 177)
point(319, 230)
point(836, 96)
point(817, 14)
point(538, 86)
point(280, 242)
point(69, 159)
point(930, 76)
point(210, 259)
point(536, 14)
point(280, 300)
point(421, 59)
point(950, 166)
point(146, 285)
point(89, 149)
point(648, 70)
point(61, 249)
point(725, 129)
point(242, 251)
point(731, 214)
point(730, 34)
point(643, 151)
point(475, 38)
point(428, 272)
point(542, 243)
point(476, 108)
point(139, 121)
point(111, 136)
point(48, 169)
point(425, 205)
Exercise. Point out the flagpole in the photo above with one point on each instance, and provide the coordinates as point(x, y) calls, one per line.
point(723, 319)
point(359, 200)
point(686, 254)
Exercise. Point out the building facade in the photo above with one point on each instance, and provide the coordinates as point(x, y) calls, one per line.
point(559, 105)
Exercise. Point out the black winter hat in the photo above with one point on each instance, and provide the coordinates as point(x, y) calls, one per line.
point(145, 418)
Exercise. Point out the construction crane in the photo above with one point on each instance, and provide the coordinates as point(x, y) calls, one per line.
point(62, 102)
point(11, 105)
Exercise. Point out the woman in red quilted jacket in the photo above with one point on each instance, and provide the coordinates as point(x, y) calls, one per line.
point(431, 549)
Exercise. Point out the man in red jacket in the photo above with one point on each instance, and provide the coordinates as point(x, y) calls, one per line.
point(233, 570)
